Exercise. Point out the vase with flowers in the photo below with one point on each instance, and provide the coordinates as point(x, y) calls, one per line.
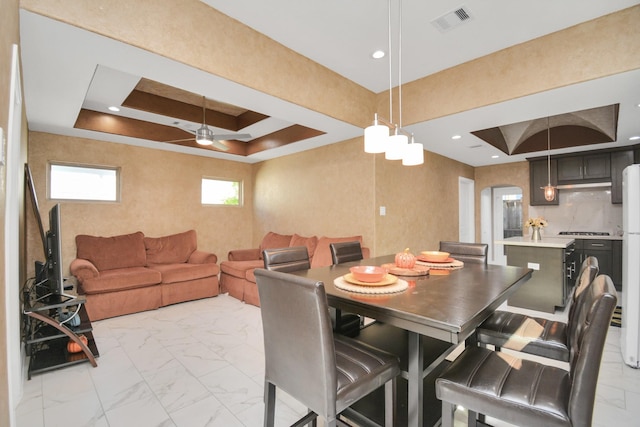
point(536, 224)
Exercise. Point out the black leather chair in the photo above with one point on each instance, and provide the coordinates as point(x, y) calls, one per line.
point(472, 253)
point(288, 259)
point(326, 373)
point(527, 393)
point(345, 252)
point(347, 324)
point(534, 335)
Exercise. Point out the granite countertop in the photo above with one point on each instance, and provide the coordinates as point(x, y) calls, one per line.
point(546, 242)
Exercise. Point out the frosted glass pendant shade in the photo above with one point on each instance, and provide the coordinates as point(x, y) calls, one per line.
point(376, 138)
point(549, 193)
point(413, 155)
point(396, 148)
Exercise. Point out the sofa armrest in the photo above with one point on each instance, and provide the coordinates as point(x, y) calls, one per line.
point(83, 269)
point(244, 255)
point(366, 253)
point(202, 257)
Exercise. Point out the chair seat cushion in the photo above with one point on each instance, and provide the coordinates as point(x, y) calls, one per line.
point(531, 335)
point(521, 392)
point(360, 367)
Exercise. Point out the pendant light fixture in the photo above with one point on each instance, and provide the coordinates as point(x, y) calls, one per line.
point(549, 190)
point(376, 136)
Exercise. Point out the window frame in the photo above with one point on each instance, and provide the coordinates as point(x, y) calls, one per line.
point(116, 169)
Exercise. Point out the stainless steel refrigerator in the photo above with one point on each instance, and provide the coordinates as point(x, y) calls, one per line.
point(630, 335)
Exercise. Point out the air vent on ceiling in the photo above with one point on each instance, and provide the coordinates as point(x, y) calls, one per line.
point(452, 19)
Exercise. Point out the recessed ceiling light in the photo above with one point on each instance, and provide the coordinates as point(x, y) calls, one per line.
point(114, 108)
point(495, 156)
point(378, 54)
point(456, 137)
point(634, 138)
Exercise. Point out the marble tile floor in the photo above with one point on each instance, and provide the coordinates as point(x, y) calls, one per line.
point(201, 364)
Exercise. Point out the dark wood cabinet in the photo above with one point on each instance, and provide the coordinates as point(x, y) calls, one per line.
point(609, 254)
point(538, 177)
point(619, 161)
point(574, 169)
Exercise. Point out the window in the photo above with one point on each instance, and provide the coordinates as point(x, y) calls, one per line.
point(221, 192)
point(72, 182)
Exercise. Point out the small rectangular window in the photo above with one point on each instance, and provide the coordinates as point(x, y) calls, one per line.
point(95, 183)
point(221, 192)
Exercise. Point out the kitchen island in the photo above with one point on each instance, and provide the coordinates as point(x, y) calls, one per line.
point(554, 271)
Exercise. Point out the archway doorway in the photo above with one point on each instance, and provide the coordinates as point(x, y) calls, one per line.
point(500, 218)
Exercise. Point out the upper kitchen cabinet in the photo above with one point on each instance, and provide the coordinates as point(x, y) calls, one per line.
point(619, 161)
point(592, 168)
point(538, 178)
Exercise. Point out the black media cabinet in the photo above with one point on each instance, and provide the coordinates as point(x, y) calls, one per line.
point(46, 336)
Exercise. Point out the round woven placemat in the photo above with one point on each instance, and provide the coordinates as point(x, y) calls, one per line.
point(399, 286)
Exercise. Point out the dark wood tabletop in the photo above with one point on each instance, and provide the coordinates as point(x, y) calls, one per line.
point(447, 307)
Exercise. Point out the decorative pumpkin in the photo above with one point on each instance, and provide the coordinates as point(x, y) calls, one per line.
point(405, 259)
point(73, 347)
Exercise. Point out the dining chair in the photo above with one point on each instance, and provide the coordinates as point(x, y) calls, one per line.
point(528, 393)
point(293, 258)
point(345, 252)
point(348, 324)
point(535, 335)
point(325, 372)
point(472, 253)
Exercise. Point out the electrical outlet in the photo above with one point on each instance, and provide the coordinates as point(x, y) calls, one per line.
point(533, 266)
point(383, 210)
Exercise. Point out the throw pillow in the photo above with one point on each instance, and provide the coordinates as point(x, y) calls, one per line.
point(309, 242)
point(108, 253)
point(322, 255)
point(273, 240)
point(173, 249)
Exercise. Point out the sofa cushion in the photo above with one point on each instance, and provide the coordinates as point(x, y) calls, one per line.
point(175, 273)
point(108, 253)
point(121, 279)
point(239, 268)
point(309, 242)
point(273, 240)
point(172, 249)
point(322, 255)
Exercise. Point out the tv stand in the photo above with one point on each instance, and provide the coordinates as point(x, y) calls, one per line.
point(46, 336)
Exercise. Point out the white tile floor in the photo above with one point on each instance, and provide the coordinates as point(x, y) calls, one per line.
point(201, 364)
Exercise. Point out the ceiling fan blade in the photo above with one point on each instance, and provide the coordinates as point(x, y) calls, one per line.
point(219, 145)
point(232, 136)
point(178, 140)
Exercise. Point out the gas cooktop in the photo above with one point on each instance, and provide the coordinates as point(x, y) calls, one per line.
point(583, 233)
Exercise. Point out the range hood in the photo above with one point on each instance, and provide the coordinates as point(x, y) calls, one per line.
point(583, 185)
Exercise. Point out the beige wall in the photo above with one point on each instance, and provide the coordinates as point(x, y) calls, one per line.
point(421, 203)
point(160, 195)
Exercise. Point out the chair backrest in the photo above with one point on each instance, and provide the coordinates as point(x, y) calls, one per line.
point(588, 271)
point(473, 253)
point(345, 252)
point(298, 340)
point(288, 259)
point(587, 333)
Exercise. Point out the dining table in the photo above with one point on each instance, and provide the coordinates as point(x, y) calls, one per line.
point(424, 322)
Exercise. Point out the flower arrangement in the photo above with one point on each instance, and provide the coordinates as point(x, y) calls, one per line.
point(536, 222)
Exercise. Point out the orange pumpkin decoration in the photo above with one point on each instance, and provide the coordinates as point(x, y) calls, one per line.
point(73, 347)
point(405, 259)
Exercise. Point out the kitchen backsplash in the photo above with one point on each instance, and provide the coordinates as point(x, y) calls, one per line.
point(581, 210)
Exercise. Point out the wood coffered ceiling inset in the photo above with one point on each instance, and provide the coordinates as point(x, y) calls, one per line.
point(184, 110)
point(580, 128)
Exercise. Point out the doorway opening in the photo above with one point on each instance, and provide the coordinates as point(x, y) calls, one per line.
point(500, 218)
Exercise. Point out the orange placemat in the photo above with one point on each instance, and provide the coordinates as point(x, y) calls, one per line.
point(399, 286)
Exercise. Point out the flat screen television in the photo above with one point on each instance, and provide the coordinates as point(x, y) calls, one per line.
point(49, 280)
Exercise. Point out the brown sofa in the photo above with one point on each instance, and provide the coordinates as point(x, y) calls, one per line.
point(131, 273)
point(236, 274)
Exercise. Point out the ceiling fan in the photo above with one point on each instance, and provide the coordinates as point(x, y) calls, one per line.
point(205, 136)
